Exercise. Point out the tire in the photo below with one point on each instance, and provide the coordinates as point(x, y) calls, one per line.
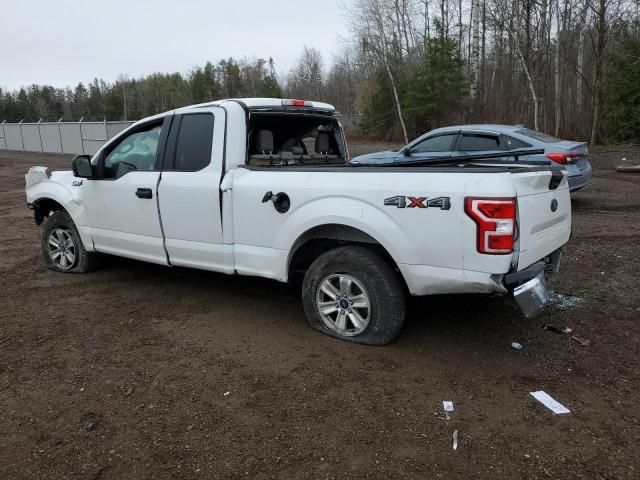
point(340, 282)
point(59, 229)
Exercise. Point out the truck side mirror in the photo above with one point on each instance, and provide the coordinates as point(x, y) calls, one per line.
point(81, 165)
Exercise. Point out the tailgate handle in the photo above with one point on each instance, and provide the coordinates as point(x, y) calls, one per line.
point(556, 179)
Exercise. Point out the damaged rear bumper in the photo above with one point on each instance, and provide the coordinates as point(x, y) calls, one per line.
point(532, 296)
point(529, 286)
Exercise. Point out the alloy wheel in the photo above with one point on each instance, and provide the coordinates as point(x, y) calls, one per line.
point(62, 248)
point(343, 304)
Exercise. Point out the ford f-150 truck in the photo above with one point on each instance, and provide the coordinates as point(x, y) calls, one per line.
point(264, 187)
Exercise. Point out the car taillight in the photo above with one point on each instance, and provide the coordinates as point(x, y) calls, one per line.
point(495, 220)
point(296, 103)
point(563, 158)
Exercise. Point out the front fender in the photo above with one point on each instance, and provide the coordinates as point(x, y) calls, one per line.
point(54, 187)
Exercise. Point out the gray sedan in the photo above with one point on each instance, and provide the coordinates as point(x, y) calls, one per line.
point(471, 139)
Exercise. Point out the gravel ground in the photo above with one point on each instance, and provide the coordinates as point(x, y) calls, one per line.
point(141, 371)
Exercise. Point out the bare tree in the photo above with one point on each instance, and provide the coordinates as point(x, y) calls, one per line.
point(580, 62)
point(556, 74)
point(306, 78)
point(601, 27)
point(370, 18)
point(475, 48)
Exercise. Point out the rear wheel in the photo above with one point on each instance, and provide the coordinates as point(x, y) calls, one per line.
point(352, 293)
point(62, 247)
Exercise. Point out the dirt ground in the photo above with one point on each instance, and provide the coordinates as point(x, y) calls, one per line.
point(141, 371)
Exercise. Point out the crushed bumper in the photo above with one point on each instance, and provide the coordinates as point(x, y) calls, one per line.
point(529, 287)
point(532, 296)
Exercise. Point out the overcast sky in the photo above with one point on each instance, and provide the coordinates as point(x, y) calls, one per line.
point(63, 42)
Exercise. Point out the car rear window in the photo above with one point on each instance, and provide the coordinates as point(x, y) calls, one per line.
point(542, 137)
point(476, 142)
point(510, 143)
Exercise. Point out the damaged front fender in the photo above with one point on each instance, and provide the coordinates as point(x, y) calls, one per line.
point(47, 192)
point(36, 175)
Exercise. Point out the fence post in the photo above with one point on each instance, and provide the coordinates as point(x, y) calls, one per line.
point(20, 130)
point(81, 137)
point(60, 135)
point(4, 134)
point(40, 135)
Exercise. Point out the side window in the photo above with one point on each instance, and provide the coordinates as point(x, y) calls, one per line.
point(510, 143)
point(135, 152)
point(440, 143)
point(193, 144)
point(478, 142)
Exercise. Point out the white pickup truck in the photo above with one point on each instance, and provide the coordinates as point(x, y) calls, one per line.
point(264, 187)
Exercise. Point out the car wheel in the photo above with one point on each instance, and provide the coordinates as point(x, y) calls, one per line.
point(62, 247)
point(354, 294)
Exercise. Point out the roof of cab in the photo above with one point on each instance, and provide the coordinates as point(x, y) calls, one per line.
point(258, 103)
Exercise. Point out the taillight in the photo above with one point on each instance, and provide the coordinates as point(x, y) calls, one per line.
point(563, 158)
point(495, 219)
point(296, 103)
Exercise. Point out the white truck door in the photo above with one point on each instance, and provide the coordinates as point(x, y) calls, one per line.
point(120, 201)
point(189, 191)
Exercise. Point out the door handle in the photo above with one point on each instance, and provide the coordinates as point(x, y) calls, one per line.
point(144, 193)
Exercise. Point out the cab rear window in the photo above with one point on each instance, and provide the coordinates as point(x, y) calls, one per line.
point(277, 139)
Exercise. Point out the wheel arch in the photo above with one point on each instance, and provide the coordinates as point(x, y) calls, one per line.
point(44, 206)
point(322, 238)
point(46, 196)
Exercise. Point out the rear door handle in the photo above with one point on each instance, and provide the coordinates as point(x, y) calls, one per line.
point(144, 193)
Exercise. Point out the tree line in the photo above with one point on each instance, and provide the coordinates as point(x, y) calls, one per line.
point(570, 68)
point(133, 99)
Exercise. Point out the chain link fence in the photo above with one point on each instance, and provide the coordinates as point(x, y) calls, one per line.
point(58, 137)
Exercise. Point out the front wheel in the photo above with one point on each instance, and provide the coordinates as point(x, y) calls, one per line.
point(353, 294)
point(62, 247)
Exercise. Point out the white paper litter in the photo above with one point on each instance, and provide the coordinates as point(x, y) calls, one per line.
point(447, 405)
point(455, 439)
point(549, 402)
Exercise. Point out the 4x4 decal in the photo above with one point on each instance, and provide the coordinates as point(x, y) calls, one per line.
point(400, 201)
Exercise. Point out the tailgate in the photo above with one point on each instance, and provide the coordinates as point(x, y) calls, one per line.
point(544, 215)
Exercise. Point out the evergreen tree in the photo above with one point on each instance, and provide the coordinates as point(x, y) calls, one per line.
point(436, 87)
point(270, 86)
point(621, 119)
